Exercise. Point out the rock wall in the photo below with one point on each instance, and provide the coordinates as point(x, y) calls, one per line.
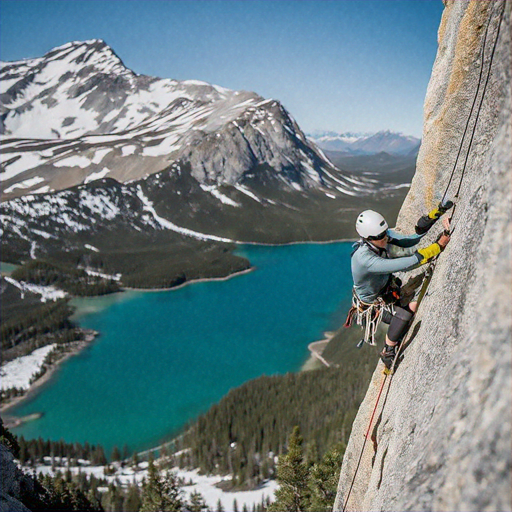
point(12, 480)
point(441, 436)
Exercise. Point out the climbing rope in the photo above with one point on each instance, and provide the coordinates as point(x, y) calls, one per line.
point(364, 442)
point(430, 269)
point(426, 281)
point(471, 111)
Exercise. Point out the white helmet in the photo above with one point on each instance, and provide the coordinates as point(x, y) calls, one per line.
point(371, 224)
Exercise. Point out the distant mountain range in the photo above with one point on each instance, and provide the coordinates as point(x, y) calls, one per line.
point(124, 173)
point(367, 143)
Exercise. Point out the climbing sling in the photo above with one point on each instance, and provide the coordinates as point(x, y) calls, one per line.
point(368, 316)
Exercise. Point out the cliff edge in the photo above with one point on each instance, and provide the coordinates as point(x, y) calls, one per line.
point(440, 438)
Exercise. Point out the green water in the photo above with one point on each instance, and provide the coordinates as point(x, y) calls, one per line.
point(165, 357)
point(7, 268)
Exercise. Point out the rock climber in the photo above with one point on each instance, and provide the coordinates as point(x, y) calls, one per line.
point(377, 292)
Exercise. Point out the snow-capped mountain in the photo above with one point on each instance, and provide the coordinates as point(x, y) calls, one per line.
point(156, 175)
point(367, 143)
point(78, 114)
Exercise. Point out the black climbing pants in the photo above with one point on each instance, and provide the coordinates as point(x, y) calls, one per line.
point(398, 323)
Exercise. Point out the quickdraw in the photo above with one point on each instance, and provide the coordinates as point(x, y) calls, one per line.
point(368, 316)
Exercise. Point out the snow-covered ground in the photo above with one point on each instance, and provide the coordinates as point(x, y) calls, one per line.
point(148, 206)
point(46, 292)
point(19, 372)
point(206, 486)
point(96, 273)
point(200, 483)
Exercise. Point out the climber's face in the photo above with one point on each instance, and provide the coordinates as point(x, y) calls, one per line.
point(381, 243)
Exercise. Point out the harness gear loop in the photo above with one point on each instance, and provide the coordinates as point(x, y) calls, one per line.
point(368, 315)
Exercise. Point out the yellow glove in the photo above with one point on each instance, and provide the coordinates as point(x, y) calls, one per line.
point(429, 252)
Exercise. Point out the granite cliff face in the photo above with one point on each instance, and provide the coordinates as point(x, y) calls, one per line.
point(440, 439)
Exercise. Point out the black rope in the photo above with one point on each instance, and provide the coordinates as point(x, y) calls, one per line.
point(482, 98)
point(432, 265)
point(479, 107)
point(471, 111)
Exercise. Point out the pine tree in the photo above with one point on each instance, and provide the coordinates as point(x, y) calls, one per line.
point(292, 475)
point(116, 454)
point(126, 452)
point(112, 500)
point(311, 454)
point(324, 476)
point(196, 503)
point(161, 493)
point(93, 499)
point(132, 501)
point(219, 508)
point(98, 457)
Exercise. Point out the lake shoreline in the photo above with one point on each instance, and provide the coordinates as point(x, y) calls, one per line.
point(73, 348)
point(316, 349)
point(192, 281)
point(76, 347)
point(292, 269)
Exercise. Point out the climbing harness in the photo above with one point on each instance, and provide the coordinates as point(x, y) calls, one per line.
point(368, 315)
point(430, 269)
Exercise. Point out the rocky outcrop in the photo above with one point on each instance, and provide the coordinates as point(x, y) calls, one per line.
point(440, 439)
point(12, 480)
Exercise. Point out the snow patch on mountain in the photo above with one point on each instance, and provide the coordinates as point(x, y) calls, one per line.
point(214, 191)
point(164, 223)
point(47, 292)
point(73, 161)
point(25, 184)
point(20, 372)
point(78, 107)
point(366, 143)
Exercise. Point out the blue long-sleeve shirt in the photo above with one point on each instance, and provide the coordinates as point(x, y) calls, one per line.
point(372, 267)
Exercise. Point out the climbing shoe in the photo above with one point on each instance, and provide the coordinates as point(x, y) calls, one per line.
point(388, 354)
point(427, 221)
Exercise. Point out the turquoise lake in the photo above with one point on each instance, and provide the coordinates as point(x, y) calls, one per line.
point(163, 358)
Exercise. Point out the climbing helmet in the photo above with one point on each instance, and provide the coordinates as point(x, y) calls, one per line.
point(372, 225)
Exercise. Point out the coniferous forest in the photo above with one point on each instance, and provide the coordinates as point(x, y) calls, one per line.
point(244, 433)
point(292, 427)
point(71, 279)
point(28, 323)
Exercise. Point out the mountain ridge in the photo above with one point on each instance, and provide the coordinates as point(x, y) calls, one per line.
point(78, 113)
point(191, 165)
point(367, 143)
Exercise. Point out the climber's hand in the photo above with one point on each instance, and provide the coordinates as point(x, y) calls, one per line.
point(443, 240)
point(446, 223)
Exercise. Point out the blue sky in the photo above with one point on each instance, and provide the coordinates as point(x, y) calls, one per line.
point(342, 65)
